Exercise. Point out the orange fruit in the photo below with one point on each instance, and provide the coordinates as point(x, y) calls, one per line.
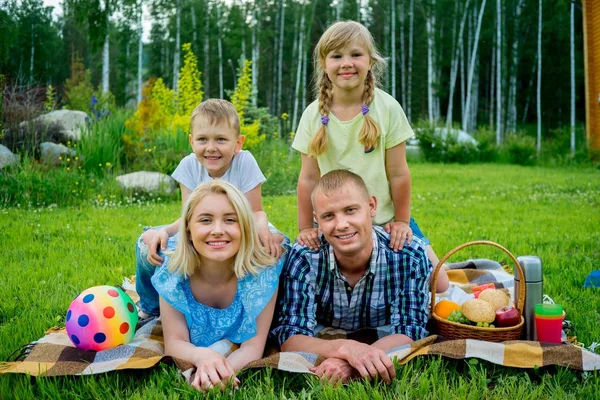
point(444, 308)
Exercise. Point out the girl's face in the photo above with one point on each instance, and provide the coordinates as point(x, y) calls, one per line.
point(347, 67)
point(215, 230)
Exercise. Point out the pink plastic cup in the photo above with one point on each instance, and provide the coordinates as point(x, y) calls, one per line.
point(548, 322)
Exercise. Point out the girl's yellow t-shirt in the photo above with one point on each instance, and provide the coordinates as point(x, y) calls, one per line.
point(344, 151)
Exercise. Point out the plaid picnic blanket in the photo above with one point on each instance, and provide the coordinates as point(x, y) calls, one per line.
point(55, 355)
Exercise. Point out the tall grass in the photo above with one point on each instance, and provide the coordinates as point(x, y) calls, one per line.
point(101, 146)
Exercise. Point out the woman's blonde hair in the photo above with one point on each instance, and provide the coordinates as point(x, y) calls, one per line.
point(338, 36)
point(251, 256)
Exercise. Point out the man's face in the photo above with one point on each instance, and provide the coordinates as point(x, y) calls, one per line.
point(344, 217)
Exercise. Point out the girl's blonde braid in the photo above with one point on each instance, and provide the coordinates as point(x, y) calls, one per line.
point(318, 144)
point(369, 133)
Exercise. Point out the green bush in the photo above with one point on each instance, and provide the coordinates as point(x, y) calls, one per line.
point(486, 145)
point(437, 148)
point(520, 149)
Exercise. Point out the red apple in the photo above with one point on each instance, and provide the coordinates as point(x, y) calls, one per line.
point(507, 316)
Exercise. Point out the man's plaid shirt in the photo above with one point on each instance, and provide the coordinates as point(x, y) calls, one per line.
point(393, 291)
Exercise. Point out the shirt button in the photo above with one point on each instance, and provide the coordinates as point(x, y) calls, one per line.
point(349, 288)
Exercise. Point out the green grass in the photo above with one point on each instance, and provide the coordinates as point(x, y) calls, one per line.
point(52, 254)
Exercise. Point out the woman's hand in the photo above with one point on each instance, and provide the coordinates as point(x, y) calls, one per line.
point(212, 370)
point(399, 232)
point(309, 237)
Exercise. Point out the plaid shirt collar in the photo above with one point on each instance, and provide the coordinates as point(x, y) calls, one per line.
point(371, 270)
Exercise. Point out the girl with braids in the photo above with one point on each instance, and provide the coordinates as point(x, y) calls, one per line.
point(356, 126)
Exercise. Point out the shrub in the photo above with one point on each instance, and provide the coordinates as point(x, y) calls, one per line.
point(78, 88)
point(26, 138)
point(486, 145)
point(20, 103)
point(520, 149)
point(240, 99)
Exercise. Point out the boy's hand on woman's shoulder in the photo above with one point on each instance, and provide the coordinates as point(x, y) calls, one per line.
point(309, 237)
point(153, 239)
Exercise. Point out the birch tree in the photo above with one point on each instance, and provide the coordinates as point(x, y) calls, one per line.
point(572, 34)
point(455, 61)
point(140, 30)
point(206, 48)
point(430, 57)
point(402, 57)
point(177, 52)
point(220, 48)
point(393, 46)
point(467, 110)
point(511, 120)
point(301, 55)
point(539, 81)
point(498, 72)
point(411, 20)
point(280, 61)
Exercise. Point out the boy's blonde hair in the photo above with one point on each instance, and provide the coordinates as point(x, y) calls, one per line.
point(336, 37)
point(335, 180)
point(251, 256)
point(217, 111)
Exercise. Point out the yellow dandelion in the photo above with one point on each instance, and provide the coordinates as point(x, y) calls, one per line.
point(100, 165)
point(68, 160)
point(68, 169)
point(76, 158)
point(108, 164)
point(60, 158)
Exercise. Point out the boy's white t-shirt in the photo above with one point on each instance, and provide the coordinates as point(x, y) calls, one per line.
point(243, 173)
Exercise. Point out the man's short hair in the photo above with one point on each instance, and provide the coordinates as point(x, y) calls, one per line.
point(335, 180)
point(217, 111)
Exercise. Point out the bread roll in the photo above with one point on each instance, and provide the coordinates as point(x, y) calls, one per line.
point(479, 311)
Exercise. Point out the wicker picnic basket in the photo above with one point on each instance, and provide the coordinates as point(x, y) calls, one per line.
point(454, 330)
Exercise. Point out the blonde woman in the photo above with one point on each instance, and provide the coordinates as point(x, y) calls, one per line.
point(217, 284)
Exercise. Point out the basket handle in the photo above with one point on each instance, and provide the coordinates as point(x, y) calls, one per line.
point(521, 299)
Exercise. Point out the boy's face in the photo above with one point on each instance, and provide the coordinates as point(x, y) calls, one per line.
point(214, 145)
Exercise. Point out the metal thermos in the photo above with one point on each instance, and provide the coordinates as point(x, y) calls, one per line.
point(534, 284)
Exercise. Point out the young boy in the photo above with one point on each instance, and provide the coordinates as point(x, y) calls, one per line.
point(217, 154)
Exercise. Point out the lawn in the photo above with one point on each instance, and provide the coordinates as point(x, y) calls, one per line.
point(52, 254)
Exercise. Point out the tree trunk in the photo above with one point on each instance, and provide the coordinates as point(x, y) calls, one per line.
point(465, 126)
point(255, 50)
point(32, 53)
point(220, 50)
point(194, 29)
point(393, 47)
point(572, 23)
point(430, 39)
point(280, 64)
point(539, 82)
point(499, 131)
point(454, 65)
point(402, 58)
point(177, 51)
point(105, 51)
point(206, 77)
point(511, 123)
point(301, 55)
point(411, 20)
point(492, 84)
point(140, 53)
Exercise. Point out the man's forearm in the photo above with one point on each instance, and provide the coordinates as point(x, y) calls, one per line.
point(389, 342)
point(325, 348)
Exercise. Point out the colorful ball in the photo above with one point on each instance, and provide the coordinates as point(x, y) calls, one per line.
point(100, 318)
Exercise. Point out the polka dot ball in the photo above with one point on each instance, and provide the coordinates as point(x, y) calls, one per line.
point(100, 318)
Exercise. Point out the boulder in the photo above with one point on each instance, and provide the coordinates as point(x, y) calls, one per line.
point(7, 158)
point(70, 121)
point(51, 151)
point(147, 181)
point(461, 136)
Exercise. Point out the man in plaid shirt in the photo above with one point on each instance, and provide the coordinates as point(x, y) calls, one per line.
point(353, 281)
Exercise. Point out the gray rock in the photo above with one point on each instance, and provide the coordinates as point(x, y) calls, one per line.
point(147, 181)
point(7, 158)
point(461, 136)
point(51, 151)
point(70, 121)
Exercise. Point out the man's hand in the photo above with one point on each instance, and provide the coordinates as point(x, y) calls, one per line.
point(214, 370)
point(309, 237)
point(153, 239)
point(271, 242)
point(334, 370)
point(369, 361)
point(399, 232)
